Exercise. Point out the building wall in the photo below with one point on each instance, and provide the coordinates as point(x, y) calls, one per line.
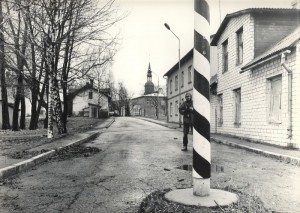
point(232, 79)
point(82, 101)
point(295, 66)
point(213, 113)
point(255, 124)
point(173, 95)
point(144, 106)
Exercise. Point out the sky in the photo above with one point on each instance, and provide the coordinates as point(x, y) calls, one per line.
point(144, 38)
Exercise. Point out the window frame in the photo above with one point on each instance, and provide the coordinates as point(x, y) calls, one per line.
point(220, 110)
point(270, 113)
point(182, 78)
point(176, 82)
point(190, 74)
point(237, 106)
point(239, 46)
point(177, 106)
point(225, 54)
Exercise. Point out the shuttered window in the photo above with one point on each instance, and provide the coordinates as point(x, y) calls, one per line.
point(240, 46)
point(275, 100)
point(190, 74)
point(237, 107)
point(220, 106)
point(225, 56)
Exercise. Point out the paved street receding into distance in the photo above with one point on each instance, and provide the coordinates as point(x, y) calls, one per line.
point(136, 158)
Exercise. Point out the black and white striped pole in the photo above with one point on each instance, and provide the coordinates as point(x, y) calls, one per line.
point(201, 135)
point(201, 194)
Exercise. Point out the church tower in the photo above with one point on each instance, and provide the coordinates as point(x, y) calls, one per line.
point(149, 86)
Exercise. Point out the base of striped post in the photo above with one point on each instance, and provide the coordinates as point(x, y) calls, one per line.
point(201, 187)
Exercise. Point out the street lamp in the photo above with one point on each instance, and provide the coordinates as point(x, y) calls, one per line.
point(179, 80)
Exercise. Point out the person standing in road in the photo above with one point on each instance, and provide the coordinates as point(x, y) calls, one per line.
point(186, 109)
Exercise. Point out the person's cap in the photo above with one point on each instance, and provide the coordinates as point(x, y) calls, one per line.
point(188, 94)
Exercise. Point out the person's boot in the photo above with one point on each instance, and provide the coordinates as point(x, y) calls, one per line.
point(184, 148)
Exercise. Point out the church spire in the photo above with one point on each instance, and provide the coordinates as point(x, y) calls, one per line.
point(149, 86)
point(149, 73)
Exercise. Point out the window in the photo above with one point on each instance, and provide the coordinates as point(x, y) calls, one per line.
point(176, 82)
point(239, 38)
point(220, 106)
point(182, 78)
point(275, 99)
point(237, 107)
point(190, 74)
point(225, 56)
point(176, 105)
point(171, 109)
point(90, 95)
point(171, 86)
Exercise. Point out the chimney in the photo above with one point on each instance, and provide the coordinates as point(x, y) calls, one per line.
point(296, 4)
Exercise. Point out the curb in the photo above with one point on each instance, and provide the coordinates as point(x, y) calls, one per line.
point(283, 158)
point(110, 123)
point(36, 160)
point(162, 124)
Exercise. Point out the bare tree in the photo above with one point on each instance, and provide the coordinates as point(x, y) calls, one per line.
point(124, 100)
point(18, 45)
point(68, 41)
point(5, 115)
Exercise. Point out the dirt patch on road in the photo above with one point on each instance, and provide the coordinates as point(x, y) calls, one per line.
point(75, 152)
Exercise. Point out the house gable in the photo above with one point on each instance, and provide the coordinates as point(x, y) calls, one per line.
point(87, 96)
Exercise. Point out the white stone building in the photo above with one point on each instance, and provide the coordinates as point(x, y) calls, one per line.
point(88, 101)
point(257, 48)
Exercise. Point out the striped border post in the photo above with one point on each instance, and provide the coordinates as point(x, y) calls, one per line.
point(201, 135)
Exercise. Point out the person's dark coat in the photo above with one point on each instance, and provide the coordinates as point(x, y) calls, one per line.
point(185, 109)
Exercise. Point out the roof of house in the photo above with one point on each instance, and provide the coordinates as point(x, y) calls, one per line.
point(95, 105)
point(184, 59)
point(88, 86)
point(227, 18)
point(282, 45)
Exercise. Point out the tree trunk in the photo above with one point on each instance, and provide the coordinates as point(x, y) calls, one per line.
point(15, 124)
point(5, 115)
point(23, 112)
point(34, 98)
point(50, 108)
point(57, 107)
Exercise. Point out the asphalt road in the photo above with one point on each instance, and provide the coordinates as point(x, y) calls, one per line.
point(136, 158)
